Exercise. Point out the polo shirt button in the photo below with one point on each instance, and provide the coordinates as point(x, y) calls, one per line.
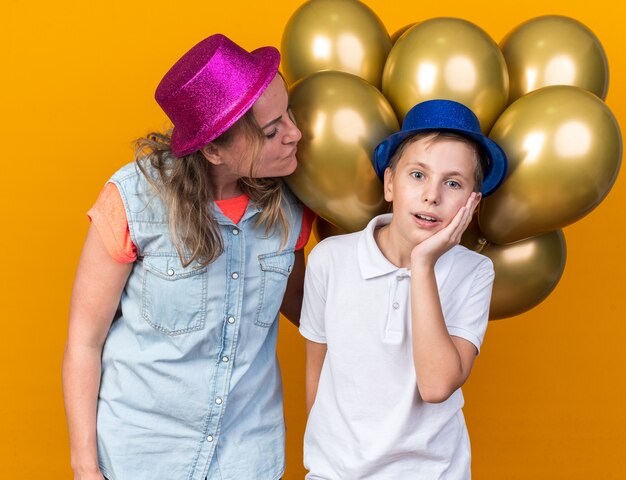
point(231, 320)
point(235, 275)
point(209, 438)
point(396, 305)
point(225, 359)
point(170, 272)
point(235, 231)
point(218, 401)
point(289, 268)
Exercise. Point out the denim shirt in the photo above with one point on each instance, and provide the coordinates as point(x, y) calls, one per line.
point(190, 385)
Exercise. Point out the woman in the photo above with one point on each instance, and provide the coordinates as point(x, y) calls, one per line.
point(170, 367)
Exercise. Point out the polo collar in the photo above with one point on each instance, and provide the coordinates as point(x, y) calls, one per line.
point(373, 263)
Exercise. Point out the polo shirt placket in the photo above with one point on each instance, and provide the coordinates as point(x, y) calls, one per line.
point(399, 307)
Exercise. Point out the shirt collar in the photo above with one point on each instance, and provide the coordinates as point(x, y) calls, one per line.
point(373, 263)
point(222, 219)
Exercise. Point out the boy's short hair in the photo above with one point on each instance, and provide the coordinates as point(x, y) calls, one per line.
point(434, 136)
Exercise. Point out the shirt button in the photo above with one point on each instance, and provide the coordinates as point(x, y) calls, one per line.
point(396, 305)
point(170, 272)
point(235, 275)
point(225, 359)
point(235, 231)
point(289, 268)
point(231, 319)
point(209, 438)
point(218, 401)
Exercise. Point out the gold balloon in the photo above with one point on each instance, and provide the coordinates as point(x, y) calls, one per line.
point(526, 272)
point(324, 229)
point(398, 33)
point(554, 50)
point(342, 119)
point(342, 35)
point(564, 149)
point(447, 58)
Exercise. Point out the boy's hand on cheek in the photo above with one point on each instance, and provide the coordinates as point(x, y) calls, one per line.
point(426, 253)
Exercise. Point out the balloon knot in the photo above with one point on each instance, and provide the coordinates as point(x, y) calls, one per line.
point(482, 243)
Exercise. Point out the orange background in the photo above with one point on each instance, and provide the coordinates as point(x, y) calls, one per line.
point(546, 399)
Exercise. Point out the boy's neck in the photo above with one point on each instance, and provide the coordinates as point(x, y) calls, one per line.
point(394, 247)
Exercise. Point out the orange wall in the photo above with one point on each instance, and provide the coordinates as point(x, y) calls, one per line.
point(546, 397)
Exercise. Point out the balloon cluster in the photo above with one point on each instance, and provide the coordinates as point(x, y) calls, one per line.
point(539, 94)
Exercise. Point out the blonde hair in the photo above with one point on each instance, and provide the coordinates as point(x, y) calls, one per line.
point(185, 187)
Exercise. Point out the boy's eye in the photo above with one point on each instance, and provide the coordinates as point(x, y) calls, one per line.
point(417, 174)
point(453, 184)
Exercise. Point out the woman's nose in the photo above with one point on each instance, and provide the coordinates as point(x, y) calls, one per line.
point(296, 134)
point(293, 134)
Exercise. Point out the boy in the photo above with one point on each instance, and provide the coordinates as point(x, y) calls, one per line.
point(394, 315)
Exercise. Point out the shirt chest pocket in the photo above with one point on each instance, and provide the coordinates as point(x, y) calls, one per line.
point(173, 297)
point(275, 271)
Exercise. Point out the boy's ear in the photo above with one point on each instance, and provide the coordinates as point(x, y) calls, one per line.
point(479, 197)
point(388, 185)
point(212, 154)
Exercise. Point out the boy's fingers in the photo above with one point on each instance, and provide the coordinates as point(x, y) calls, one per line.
point(459, 224)
point(465, 216)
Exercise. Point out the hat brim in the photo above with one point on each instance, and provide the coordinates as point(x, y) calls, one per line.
point(269, 60)
point(494, 174)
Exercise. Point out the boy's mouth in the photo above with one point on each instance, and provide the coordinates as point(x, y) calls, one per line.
point(425, 218)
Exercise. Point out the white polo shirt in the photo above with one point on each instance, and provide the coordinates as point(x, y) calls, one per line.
point(368, 420)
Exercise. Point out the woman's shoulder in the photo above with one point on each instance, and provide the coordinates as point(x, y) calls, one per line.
point(132, 178)
point(127, 171)
point(138, 193)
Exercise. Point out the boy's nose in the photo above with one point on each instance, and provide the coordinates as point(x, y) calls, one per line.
point(430, 195)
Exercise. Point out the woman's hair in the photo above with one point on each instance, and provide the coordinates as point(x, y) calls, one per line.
point(437, 135)
point(184, 184)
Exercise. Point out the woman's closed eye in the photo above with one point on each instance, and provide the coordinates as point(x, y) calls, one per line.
point(282, 119)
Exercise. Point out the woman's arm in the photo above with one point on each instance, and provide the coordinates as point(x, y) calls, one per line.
point(292, 301)
point(95, 297)
point(315, 355)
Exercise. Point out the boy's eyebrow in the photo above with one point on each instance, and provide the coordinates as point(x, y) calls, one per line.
point(452, 173)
